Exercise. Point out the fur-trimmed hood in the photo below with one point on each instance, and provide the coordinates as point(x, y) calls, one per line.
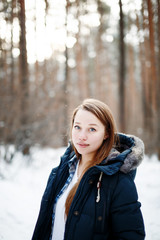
point(126, 155)
point(135, 157)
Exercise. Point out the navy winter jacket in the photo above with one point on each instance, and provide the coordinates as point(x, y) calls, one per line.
point(117, 214)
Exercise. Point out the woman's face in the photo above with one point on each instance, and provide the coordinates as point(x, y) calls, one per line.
point(88, 133)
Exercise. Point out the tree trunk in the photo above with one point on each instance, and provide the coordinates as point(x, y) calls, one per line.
point(144, 82)
point(65, 93)
point(80, 67)
point(146, 78)
point(44, 83)
point(158, 82)
point(152, 54)
point(23, 138)
point(12, 76)
point(121, 70)
point(36, 64)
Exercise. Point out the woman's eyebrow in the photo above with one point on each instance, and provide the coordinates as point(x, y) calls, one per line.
point(90, 124)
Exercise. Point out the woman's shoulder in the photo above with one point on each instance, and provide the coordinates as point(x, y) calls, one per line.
point(120, 177)
point(120, 185)
point(52, 175)
point(125, 189)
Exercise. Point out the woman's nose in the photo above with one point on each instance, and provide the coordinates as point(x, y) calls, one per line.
point(83, 136)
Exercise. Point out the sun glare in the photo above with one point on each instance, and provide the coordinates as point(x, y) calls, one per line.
point(46, 33)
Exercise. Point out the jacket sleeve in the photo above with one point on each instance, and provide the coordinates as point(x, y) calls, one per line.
point(126, 217)
point(49, 182)
point(44, 204)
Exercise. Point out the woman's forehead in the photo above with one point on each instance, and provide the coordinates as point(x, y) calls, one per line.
point(84, 116)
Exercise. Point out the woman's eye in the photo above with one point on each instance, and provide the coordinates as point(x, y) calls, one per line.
point(76, 127)
point(92, 129)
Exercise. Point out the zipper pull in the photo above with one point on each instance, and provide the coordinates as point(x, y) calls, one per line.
point(98, 187)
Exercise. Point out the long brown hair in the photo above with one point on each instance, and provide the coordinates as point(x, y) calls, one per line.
point(104, 114)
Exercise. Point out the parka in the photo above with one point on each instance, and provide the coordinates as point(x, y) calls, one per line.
point(105, 206)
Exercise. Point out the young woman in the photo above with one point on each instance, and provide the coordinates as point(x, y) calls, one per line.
point(91, 195)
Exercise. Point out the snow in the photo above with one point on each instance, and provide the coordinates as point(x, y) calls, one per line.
point(148, 186)
point(22, 184)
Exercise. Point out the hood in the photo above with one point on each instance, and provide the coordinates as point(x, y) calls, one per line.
point(135, 157)
point(126, 155)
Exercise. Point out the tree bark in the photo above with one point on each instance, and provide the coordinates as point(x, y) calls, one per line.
point(65, 94)
point(80, 67)
point(158, 82)
point(12, 76)
point(152, 54)
point(121, 70)
point(23, 139)
point(147, 78)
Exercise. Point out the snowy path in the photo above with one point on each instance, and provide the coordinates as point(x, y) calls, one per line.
point(21, 192)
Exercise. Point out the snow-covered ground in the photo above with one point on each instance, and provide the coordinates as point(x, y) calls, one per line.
point(23, 185)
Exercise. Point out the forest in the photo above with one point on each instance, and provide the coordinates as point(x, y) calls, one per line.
point(53, 54)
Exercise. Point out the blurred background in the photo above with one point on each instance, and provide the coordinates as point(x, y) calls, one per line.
point(53, 54)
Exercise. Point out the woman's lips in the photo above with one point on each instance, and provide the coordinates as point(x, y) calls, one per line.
point(83, 145)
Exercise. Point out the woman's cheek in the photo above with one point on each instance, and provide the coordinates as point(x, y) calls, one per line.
point(74, 136)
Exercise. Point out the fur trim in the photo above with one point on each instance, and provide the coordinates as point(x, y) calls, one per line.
point(134, 159)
